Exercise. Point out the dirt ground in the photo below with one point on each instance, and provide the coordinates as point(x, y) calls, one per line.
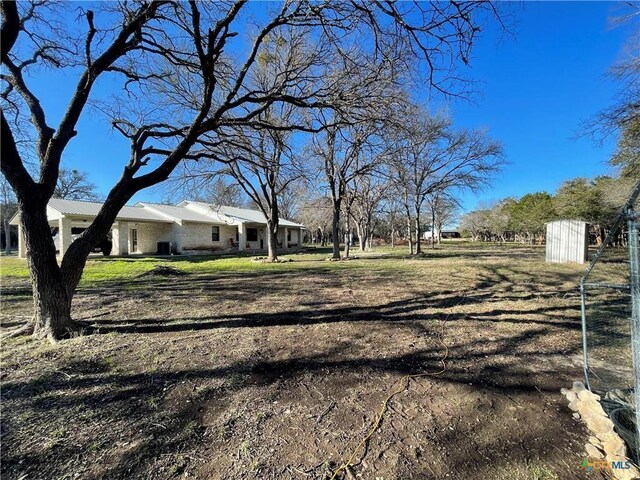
point(279, 373)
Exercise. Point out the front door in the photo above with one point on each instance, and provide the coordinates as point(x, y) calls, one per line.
point(134, 240)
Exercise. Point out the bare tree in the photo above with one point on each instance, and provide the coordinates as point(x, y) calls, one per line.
point(213, 187)
point(444, 209)
point(418, 151)
point(475, 224)
point(344, 154)
point(368, 193)
point(400, 179)
point(623, 117)
point(291, 198)
point(74, 185)
point(265, 166)
point(316, 214)
point(220, 192)
point(433, 158)
point(184, 77)
point(262, 160)
point(391, 214)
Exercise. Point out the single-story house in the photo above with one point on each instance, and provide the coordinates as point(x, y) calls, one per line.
point(148, 228)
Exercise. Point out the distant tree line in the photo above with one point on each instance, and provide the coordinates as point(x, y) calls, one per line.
point(378, 217)
point(597, 201)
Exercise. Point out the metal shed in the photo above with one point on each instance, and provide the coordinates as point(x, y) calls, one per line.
point(567, 241)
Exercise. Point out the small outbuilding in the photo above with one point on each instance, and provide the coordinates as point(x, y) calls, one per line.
point(567, 241)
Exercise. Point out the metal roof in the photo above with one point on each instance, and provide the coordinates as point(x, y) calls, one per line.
point(152, 212)
point(91, 209)
point(180, 214)
point(243, 214)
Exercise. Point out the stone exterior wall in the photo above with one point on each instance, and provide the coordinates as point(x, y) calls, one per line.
point(295, 237)
point(280, 236)
point(197, 236)
point(228, 232)
point(149, 234)
point(120, 238)
point(190, 237)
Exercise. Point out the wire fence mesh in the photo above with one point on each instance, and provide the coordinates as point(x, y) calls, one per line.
point(609, 340)
point(611, 337)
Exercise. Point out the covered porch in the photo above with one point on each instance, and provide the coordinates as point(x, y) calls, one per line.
point(127, 237)
point(253, 237)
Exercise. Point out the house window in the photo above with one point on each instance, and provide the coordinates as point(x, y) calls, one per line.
point(215, 234)
point(288, 235)
point(252, 234)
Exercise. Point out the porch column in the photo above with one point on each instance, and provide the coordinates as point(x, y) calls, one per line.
point(285, 242)
point(120, 238)
point(22, 246)
point(242, 237)
point(64, 235)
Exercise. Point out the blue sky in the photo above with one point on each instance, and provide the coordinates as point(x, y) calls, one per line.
point(536, 89)
point(539, 87)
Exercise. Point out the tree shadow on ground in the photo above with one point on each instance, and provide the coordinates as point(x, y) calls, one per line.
point(504, 366)
point(114, 394)
point(401, 311)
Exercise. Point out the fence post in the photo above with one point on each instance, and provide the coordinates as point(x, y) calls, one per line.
point(634, 261)
point(585, 355)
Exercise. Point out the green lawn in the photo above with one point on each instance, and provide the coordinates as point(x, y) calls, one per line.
point(100, 269)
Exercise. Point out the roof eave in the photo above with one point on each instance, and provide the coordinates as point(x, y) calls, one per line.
point(15, 220)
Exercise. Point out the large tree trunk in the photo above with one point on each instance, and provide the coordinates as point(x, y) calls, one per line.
point(418, 232)
point(272, 213)
point(335, 226)
point(53, 285)
point(272, 241)
point(362, 236)
point(409, 235)
point(347, 237)
point(52, 307)
point(51, 294)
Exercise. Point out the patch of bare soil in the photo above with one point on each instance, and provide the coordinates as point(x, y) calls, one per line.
point(279, 375)
point(163, 271)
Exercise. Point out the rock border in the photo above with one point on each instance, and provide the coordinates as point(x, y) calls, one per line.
point(605, 443)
